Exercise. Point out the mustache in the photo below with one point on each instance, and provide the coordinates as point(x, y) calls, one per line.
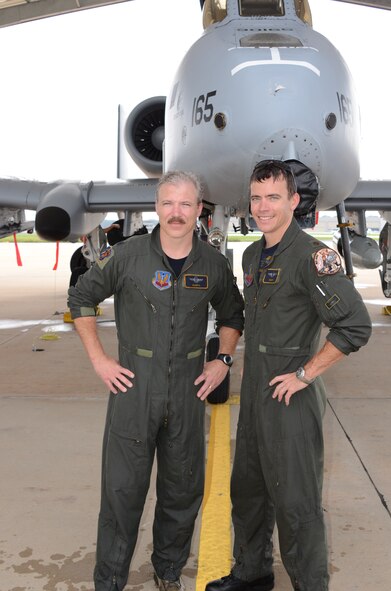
point(176, 219)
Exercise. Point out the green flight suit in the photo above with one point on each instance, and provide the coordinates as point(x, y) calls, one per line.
point(161, 323)
point(278, 466)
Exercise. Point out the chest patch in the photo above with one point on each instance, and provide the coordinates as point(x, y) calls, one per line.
point(249, 278)
point(271, 276)
point(195, 281)
point(327, 261)
point(162, 280)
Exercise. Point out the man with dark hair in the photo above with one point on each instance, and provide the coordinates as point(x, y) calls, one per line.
point(292, 285)
point(162, 283)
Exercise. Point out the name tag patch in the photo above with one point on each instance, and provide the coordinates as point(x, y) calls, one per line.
point(271, 276)
point(195, 281)
point(162, 280)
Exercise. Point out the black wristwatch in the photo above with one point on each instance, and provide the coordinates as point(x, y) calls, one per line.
point(225, 358)
point(300, 374)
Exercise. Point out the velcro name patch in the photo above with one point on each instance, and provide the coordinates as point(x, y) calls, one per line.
point(195, 281)
point(271, 276)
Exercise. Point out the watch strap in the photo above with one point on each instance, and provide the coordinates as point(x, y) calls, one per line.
point(226, 358)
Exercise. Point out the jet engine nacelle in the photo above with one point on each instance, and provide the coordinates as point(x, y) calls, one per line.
point(144, 135)
point(61, 214)
point(365, 251)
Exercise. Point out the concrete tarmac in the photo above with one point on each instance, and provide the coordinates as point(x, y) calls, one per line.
point(52, 411)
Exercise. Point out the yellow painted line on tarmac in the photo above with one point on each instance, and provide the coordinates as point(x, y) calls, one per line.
point(215, 553)
point(233, 399)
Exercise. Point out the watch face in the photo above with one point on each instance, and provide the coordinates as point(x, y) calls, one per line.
point(227, 359)
point(300, 374)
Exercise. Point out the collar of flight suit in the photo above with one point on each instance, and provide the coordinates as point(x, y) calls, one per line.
point(193, 255)
point(290, 236)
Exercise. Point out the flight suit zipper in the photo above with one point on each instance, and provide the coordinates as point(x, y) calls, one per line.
point(172, 330)
point(173, 304)
point(150, 304)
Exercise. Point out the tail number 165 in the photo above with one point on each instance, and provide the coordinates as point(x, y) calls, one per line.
point(202, 108)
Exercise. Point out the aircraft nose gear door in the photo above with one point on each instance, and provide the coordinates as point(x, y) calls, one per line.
point(385, 248)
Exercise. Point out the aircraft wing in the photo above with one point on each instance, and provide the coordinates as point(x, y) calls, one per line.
point(372, 195)
point(13, 12)
point(385, 4)
point(66, 210)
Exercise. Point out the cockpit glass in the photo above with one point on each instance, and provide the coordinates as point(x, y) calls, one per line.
point(261, 7)
point(214, 11)
point(303, 11)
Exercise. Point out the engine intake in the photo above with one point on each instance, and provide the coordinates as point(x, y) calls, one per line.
point(144, 135)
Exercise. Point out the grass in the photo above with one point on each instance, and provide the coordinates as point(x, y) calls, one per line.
point(23, 237)
point(251, 237)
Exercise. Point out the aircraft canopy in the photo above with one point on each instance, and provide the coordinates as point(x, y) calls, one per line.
point(215, 11)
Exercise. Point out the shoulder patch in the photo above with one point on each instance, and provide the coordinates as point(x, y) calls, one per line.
point(327, 261)
point(104, 256)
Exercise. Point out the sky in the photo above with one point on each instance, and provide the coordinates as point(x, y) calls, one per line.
point(62, 79)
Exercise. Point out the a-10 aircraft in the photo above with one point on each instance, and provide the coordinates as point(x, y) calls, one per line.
point(259, 84)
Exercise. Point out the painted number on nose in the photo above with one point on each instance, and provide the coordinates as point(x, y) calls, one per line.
point(202, 108)
point(345, 109)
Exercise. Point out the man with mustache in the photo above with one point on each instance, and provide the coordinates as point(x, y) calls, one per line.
point(163, 284)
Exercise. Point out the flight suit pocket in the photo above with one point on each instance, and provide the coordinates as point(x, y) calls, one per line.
point(294, 351)
point(281, 360)
point(126, 460)
point(329, 302)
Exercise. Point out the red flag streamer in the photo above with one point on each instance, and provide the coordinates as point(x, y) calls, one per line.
point(57, 251)
point(18, 257)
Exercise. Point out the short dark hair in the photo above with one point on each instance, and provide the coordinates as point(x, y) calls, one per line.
point(176, 177)
point(275, 169)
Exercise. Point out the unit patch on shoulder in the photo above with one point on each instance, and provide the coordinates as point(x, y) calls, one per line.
point(195, 281)
point(327, 261)
point(248, 279)
point(105, 256)
point(162, 280)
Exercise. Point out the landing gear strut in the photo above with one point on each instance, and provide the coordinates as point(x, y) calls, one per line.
point(385, 248)
point(343, 225)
